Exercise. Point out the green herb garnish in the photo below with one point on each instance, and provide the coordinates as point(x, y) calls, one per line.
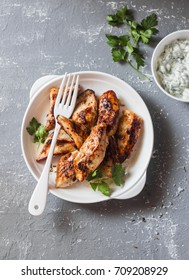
point(102, 187)
point(120, 17)
point(98, 182)
point(94, 175)
point(145, 30)
point(125, 48)
point(118, 174)
point(37, 130)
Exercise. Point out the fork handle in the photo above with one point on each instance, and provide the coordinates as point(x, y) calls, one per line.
point(39, 197)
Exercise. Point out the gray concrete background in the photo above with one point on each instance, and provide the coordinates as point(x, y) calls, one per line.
point(50, 37)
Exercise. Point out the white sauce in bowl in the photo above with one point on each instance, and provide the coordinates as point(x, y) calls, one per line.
point(173, 68)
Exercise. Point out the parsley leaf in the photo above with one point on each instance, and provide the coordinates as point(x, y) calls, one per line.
point(135, 35)
point(121, 17)
point(130, 48)
point(139, 58)
point(33, 126)
point(145, 36)
point(102, 187)
point(118, 54)
point(149, 22)
point(115, 41)
point(118, 174)
point(41, 134)
point(123, 40)
point(94, 175)
point(144, 31)
point(94, 186)
point(37, 130)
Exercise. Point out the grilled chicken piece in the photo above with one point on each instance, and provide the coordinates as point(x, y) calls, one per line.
point(86, 109)
point(50, 123)
point(75, 131)
point(110, 158)
point(64, 145)
point(127, 134)
point(65, 175)
point(91, 152)
point(109, 111)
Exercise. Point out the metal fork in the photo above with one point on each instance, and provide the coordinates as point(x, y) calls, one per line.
point(64, 105)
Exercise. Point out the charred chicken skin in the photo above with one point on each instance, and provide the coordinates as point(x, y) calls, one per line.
point(76, 132)
point(122, 143)
point(91, 153)
point(65, 175)
point(50, 123)
point(85, 112)
point(127, 134)
point(109, 111)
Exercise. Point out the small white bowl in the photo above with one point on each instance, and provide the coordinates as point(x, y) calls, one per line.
point(181, 34)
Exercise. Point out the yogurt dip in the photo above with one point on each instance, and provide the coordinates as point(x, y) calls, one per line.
point(173, 68)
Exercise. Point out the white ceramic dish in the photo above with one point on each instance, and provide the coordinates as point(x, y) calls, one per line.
point(99, 82)
point(181, 34)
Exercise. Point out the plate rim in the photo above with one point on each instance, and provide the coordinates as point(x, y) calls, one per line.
point(31, 100)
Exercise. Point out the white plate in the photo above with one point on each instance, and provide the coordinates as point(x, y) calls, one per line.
point(99, 82)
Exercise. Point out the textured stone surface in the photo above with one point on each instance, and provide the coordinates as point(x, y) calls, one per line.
point(50, 37)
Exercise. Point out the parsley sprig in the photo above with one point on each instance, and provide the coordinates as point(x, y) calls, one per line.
point(37, 130)
point(100, 183)
point(125, 48)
